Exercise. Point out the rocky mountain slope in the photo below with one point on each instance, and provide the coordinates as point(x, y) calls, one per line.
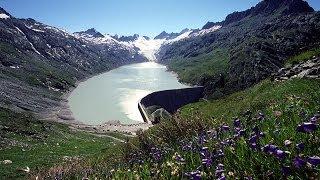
point(38, 63)
point(246, 47)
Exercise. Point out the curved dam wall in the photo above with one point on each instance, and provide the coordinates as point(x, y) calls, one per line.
point(170, 100)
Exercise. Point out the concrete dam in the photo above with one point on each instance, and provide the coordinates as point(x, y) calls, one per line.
point(169, 100)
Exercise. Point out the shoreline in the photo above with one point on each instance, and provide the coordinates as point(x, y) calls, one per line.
point(63, 114)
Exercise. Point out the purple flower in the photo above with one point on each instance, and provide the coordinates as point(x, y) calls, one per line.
point(195, 175)
point(307, 127)
point(236, 123)
point(220, 153)
point(237, 129)
point(262, 134)
point(204, 152)
point(220, 166)
point(254, 146)
point(204, 149)
point(187, 147)
point(299, 162)
point(256, 129)
point(219, 170)
point(202, 139)
point(269, 148)
point(314, 120)
point(314, 160)
point(300, 146)
point(280, 154)
point(242, 132)
point(180, 159)
point(286, 170)
point(225, 128)
point(207, 162)
point(253, 139)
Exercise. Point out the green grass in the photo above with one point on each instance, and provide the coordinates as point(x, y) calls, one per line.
point(285, 105)
point(260, 97)
point(304, 56)
point(191, 70)
point(40, 145)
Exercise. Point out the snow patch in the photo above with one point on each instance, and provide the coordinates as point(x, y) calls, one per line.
point(4, 16)
point(15, 67)
point(148, 48)
point(206, 31)
point(19, 30)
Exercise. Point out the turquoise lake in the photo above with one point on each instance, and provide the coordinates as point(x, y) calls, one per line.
point(114, 95)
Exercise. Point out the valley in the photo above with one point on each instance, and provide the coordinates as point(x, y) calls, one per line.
point(69, 101)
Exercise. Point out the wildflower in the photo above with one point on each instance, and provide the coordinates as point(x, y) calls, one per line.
point(256, 129)
point(314, 160)
point(195, 175)
point(236, 123)
point(298, 162)
point(314, 120)
point(300, 146)
point(254, 146)
point(277, 113)
point(253, 139)
point(280, 154)
point(269, 148)
point(262, 134)
point(287, 143)
point(225, 128)
point(242, 132)
point(286, 170)
point(261, 116)
point(187, 147)
point(306, 127)
point(220, 171)
point(220, 153)
point(231, 173)
point(207, 162)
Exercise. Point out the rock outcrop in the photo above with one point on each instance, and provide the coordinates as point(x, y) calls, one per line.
point(308, 69)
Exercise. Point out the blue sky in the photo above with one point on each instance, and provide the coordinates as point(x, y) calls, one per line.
point(125, 17)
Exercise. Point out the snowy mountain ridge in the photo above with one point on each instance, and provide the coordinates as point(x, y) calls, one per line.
point(145, 46)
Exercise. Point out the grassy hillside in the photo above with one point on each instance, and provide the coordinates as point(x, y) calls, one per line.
point(254, 134)
point(193, 69)
point(40, 145)
point(304, 56)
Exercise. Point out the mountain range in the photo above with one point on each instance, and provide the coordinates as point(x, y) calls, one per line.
point(260, 69)
point(248, 46)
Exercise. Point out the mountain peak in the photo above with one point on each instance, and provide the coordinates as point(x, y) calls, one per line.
point(126, 38)
point(267, 7)
point(92, 32)
point(284, 7)
point(162, 35)
point(184, 30)
point(4, 14)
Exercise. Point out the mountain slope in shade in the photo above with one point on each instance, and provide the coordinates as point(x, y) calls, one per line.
point(251, 45)
point(39, 62)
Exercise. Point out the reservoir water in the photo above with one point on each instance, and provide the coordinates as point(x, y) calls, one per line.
point(114, 95)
